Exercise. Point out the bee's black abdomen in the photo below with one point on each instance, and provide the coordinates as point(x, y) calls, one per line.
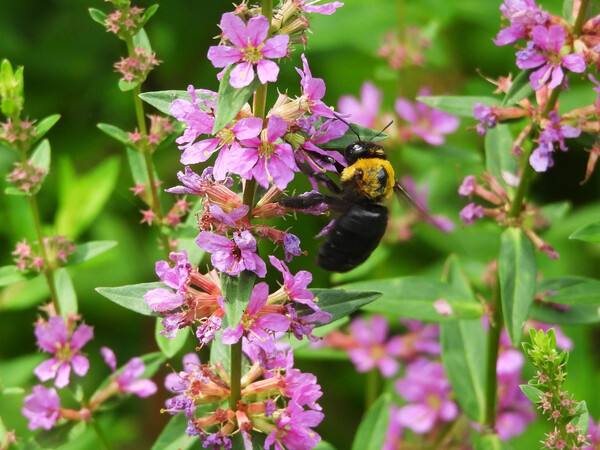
point(355, 234)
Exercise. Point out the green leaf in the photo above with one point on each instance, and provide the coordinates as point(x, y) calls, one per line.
point(588, 233)
point(517, 272)
point(98, 16)
point(10, 275)
point(172, 436)
point(44, 125)
point(14, 191)
point(520, 89)
point(464, 351)
point(567, 11)
point(230, 100)
point(149, 13)
point(366, 134)
point(125, 86)
point(498, 152)
point(220, 352)
point(82, 199)
point(236, 295)
point(414, 297)
point(459, 105)
point(585, 293)
point(90, 250)
point(371, 431)
point(581, 419)
point(162, 100)
point(131, 296)
point(324, 445)
point(41, 155)
point(575, 315)
point(169, 346)
point(19, 371)
point(141, 40)
point(115, 133)
point(137, 165)
point(532, 393)
point(339, 302)
point(67, 298)
point(489, 442)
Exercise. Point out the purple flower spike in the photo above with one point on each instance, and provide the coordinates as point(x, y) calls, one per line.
point(53, 337)
point(250, 49)
point(544, 51)
point(42, 408)
point(523, 15)
point(232, 257)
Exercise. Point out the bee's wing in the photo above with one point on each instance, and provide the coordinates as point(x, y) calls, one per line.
point(405, 198)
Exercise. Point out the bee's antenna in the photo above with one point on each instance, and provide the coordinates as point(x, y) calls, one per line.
point(384, 128)
point(350, 126)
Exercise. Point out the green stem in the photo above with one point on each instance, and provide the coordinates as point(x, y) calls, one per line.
point(580, 19)
point(141, 123)
point(372, 388)
point(235, 393)
point(101, 435)
point(267, 9)
point(527, 174)
point(493, 337)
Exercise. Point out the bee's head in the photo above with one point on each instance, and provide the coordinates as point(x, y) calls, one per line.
point(363, 149)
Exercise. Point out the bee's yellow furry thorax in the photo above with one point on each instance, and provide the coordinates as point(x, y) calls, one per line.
point(371, 178)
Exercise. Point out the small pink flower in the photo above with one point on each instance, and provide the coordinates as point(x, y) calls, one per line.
point(249, 49)
point(54, 337)
point(128, 380)
point(42, 408)
point(427, 123)
point(362, 111)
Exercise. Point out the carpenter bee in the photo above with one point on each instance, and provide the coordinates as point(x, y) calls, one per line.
point(366, 182)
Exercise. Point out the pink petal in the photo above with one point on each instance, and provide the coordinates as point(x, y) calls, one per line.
point(574, 62)
point(235, 30)
point(81, 336)
point(258, 299)
point(247, 128)
point(274, 322)
point(388, 367)
point(538, 78)
point(109, 357)
point(230, 336)
point(267, 71)
point(448, 410)
point(419, 418)
point(556, 37)
point(276, 128)
point(258, 27)
point(80, 365)
point(405, 110)
point(276, 47)
point(141, 388)
point(540, 37)
point(557, 77)
point(62, 375)
point(47, 369)
point(242, 75)
point(223, 56)
point(200, 151)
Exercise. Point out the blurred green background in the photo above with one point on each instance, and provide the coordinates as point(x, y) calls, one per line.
point(68, 70)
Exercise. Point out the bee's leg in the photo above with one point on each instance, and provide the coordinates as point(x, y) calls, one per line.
point(312, 199)
point(322, 177)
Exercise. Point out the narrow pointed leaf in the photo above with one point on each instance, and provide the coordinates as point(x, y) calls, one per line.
point(517, 272)
point(366, 134)
point(41, 155)
point(236, 295)
point(520, 89)
point(125, 86)
point(90, 250)
point(581, 419)
point(131, 296)
point(464, 351)
point(115, 133)
point(532, 393)
point(162, 100)
point(371, 431)
point(44, 125)
point(98, 16)
point(498, 153)
point(67, 298)
point(170, 346)
point(414, 298)
point(141, 40)
point(10, 275)
point(339, 302)
point(137, 165)
point(149, 13)
point(230, 100)
point(588, 233)
point(459, 105)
